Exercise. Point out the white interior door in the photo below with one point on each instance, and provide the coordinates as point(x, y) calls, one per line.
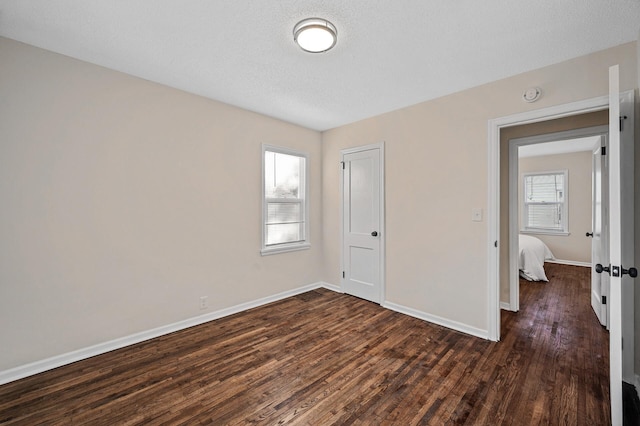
point(621, 216)
point(599, 232)
point(362, 223)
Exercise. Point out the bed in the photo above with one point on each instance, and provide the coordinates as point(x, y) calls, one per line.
point(533, 253)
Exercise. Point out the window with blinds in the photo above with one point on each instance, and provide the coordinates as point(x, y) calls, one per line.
point(545, 202)
point(284, 202)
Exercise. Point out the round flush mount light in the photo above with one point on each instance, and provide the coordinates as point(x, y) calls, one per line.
point(315, 35)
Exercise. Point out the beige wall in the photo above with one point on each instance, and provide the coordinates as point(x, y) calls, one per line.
point(124, 201)
point(436, 172)
point(575, 247)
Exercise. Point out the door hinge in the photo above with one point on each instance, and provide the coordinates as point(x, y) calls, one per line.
point(342, 274)
point(342, 162)
point(604, 300)
point(622, 118)
point(603, 150)
point(495, 244)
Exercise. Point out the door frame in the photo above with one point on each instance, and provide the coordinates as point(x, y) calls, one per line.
point(514, 202)
point(493, 203)
point(382, 232)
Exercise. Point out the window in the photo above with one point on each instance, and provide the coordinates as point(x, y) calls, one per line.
point(545, 203)
point(284, 200)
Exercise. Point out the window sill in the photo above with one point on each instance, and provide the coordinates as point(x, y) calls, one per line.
point(544, 232)
point(284, 248)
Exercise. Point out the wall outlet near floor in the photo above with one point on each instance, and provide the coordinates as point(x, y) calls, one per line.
point(204, 302)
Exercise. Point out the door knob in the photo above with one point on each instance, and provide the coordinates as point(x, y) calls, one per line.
point(374, 234)
point(589, 234)
point(633, 272)
point(600, 269)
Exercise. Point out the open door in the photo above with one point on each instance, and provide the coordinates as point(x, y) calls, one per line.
point(620, 242)
point(600, 230)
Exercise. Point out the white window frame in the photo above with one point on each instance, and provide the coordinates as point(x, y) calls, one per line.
point(565, 206)
point(285, 247)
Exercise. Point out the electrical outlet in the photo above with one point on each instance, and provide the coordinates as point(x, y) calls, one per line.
point(204, 303)
point(476, 215)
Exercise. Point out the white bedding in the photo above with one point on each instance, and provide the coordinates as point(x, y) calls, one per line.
point(533, 253)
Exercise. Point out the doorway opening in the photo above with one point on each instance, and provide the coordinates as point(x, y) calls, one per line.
point(560, 228)
point(621, 212)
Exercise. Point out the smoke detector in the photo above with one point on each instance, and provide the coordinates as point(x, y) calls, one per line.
point(532, 94)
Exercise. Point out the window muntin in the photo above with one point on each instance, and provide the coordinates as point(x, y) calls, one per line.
point(545, 207)
point(285, 217)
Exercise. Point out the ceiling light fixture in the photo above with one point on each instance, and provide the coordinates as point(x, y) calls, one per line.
point(315, 35)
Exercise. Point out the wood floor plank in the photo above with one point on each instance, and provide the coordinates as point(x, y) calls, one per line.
point(323, 358)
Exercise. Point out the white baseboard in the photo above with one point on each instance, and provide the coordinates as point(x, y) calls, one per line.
point(331, 287)
point(506, 306)
point(569, 262)
point(36, 367)
point(454, 325)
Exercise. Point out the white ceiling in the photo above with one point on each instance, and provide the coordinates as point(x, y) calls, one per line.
point(559, 147)
point(390, 54)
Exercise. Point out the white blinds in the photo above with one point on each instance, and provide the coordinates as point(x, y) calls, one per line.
point(544, 188)
point(544, 196)
point(285, 221)
point(284, 198)
point(545, 216)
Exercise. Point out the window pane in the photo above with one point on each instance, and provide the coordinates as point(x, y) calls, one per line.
point(283, 200)
point(285, 233)
point(544, 188)
point(544, 216)
point(284, 213)
point(282, 175)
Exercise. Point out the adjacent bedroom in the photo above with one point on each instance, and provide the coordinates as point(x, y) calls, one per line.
point(558, 200)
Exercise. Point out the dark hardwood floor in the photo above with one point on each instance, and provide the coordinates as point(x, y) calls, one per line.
point(324, 358)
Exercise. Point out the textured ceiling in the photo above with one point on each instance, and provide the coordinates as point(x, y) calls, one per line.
point(390, 54)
